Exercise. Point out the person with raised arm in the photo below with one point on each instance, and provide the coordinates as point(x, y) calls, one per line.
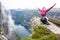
point(43, 12)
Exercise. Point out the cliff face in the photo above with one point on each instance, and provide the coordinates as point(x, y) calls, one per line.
point(4, 24)
point(4, 20)
point(0, 15)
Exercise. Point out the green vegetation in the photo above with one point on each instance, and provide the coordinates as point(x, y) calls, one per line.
point(0, 30)
point(56, 20)
point(42, 33)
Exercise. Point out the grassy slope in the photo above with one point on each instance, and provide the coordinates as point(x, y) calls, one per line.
point(42, 33)
point(55, 21)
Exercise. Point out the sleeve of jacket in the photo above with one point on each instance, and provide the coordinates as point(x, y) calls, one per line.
point(50, 8)
point(39, 9)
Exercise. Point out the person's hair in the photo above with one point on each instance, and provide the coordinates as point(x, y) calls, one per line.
point(43, 8)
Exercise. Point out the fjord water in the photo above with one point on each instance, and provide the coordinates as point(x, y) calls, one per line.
point(20, 30)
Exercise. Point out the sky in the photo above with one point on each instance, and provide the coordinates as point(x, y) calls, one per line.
point(29, 4)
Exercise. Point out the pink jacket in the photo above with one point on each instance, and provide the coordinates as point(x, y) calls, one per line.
point(43, 12)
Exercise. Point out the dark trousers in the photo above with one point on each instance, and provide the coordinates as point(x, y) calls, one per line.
point(44, 21)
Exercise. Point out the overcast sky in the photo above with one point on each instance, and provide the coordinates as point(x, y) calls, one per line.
point(29, 4)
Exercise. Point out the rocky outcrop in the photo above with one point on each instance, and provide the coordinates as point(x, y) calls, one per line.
point(35, 22)
point(52, 27)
